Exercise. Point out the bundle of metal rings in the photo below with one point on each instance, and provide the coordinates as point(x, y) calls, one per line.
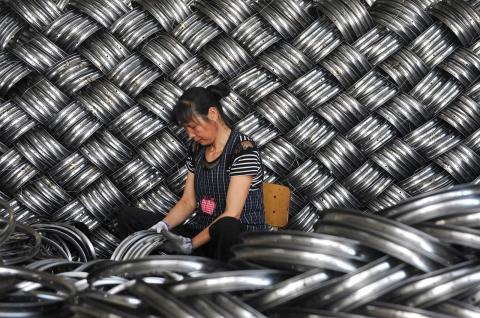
point(419, 258)
point(353, 104)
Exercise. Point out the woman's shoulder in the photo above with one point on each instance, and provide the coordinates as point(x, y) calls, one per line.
point(242, 144)
point(243, 141)
point(245, 160)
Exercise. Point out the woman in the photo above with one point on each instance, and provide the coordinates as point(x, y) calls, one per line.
point(224, 181)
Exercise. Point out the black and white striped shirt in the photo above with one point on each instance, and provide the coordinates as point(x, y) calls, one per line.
point(239, 158)
point(244, 161)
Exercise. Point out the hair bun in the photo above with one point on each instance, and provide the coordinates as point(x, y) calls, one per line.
point(220, 91)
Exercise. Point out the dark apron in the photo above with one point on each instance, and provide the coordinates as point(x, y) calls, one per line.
point(211, 186)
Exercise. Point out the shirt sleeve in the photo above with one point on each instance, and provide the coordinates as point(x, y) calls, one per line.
point(190, 163)
point(246, 163)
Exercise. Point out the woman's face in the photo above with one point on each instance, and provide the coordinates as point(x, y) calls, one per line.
point(202, 130)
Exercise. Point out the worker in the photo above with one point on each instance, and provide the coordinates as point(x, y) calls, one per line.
point(223, 184)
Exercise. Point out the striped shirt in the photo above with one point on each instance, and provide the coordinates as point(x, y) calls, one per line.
point(245, 161)
point(239, 158)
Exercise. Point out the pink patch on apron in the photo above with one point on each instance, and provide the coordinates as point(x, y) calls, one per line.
point(208, 205)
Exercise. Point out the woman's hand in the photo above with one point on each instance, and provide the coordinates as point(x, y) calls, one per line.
point(177, 244)
point(160, 227)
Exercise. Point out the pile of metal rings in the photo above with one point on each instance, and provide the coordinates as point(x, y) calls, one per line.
point(419, 258)
point(358, 104)
point(354, 104)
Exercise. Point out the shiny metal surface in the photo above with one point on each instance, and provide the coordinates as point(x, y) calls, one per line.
point(155, 265)
point(348, 291)
point(10, 225)
point(313, 242)
point(289, 289)
point(384, 310)
point(67, 241)
point(138, 245)
point(371, 105)
point(162, 302)
point(446, 290)
point(323, 275)
point(458, 309)
point(304, 219)
point(395, 239)
point(296, 259)
point(438, 205)
point(458, 235)
point(425, 282)
point(232, 281)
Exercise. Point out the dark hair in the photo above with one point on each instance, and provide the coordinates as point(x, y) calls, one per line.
point(197, 101)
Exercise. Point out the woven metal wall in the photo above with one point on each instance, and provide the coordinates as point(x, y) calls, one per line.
point(353, 103)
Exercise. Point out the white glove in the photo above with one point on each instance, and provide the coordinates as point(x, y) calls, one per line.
point(160, 227)
point(177, 244)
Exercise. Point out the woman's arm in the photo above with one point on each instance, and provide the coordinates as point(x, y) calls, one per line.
point(236, 196)
point(185, 206)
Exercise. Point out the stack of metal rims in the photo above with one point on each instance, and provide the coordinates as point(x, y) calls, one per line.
point(358, 104)
point(418, 258)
